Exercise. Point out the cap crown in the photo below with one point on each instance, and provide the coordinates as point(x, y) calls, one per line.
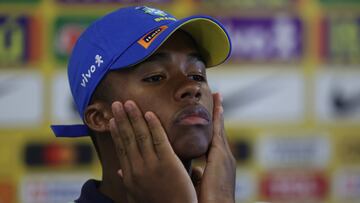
point(104, 42)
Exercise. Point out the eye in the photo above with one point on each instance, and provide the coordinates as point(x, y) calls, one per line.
point(198, 78)
point(154, 78)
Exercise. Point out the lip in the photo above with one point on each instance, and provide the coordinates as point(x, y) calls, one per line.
point(193, 115)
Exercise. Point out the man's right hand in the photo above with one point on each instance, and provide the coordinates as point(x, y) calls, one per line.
point(150, 169)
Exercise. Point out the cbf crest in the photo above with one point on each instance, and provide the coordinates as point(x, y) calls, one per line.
point(152, 11)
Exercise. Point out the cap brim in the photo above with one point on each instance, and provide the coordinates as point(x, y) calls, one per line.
point(211, 39)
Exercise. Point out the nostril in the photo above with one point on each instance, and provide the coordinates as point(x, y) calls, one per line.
point(185, 95)
point(198, 95)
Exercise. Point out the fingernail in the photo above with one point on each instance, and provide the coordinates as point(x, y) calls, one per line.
point(221, 109)
point(220, 97)
point(128, 106)
point(147, 116)
point(120, 173)
point(116, 106)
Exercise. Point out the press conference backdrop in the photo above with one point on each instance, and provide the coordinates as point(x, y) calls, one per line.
point(291, 95)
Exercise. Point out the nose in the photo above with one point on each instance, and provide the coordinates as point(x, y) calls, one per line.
point(189, 91)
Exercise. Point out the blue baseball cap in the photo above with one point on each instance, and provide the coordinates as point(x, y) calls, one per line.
point(127, 37)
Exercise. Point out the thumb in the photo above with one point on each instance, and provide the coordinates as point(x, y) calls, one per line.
point(120, 173)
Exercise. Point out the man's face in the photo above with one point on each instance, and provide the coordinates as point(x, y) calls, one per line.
point(171, 83)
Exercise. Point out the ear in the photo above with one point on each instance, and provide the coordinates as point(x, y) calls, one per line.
point(97, 117)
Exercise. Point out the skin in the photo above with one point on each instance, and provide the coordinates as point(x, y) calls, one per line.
point(156, 130)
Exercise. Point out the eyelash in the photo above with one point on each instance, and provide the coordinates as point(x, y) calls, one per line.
point(198, 78)
point(154, 78)
point(159, 77)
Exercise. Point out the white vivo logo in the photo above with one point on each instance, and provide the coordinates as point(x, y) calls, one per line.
point(86, 76)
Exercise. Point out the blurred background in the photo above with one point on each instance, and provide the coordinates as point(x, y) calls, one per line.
point(291, 94)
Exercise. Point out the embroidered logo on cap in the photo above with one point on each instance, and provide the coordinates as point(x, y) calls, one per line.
point(87, 75)
point(150, 37)
point(152, 11)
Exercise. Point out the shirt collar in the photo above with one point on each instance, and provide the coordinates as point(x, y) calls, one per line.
point(91, 194)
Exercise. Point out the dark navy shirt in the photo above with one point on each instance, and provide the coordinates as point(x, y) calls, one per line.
point(91, 194)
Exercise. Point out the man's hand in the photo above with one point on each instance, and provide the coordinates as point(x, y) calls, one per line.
point(150, 170)
point(217, 182)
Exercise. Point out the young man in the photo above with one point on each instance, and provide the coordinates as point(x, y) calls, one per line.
point(138, 78)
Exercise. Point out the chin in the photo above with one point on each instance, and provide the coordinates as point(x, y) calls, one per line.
point(191, 145)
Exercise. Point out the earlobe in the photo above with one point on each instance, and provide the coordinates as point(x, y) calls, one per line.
point(97, 117)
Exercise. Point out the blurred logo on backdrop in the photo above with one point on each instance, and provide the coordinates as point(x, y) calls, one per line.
point(293, 151)
point(260, 39)
point(57, 155)
point(258, 96)
point(294, 186)
point(19, 40)
point(246, 186)
point(54, 188)
point(337, 96)
point(67, 30)
point(341, 39)
point(15, 89)
point(346, 185)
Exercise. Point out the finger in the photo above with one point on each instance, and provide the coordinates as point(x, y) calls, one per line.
point(160, 141)
point(219, 112)
point(126, 133)
point(124, 162)
point(196, 175)
point(217, 119)
point(141, 130)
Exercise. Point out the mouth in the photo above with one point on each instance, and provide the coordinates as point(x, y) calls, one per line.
point(193, 115)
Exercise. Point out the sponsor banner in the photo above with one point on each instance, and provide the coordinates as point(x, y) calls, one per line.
point(57, 155)
point(294, 151)
point(294, 186)
point(19, 39)
point(346, 185)
point(245, 188)
point(67, 30)
point(21, 99)
point(258, 96)
point(7, 191)
point(242, 150)
point(278, 38)
point(55, 188)
point(243, 4)
point(341, 39)
point(348, 148)
point(110, 1)
point(337, 96)
point(63, 108)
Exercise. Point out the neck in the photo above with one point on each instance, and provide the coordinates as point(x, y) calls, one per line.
point(112, 186)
